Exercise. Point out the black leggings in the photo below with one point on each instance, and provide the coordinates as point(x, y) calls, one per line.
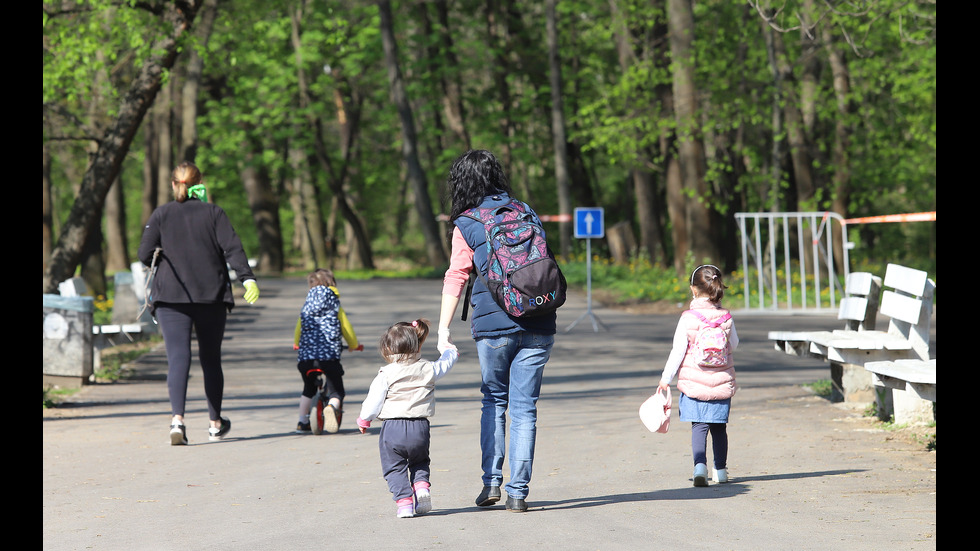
point(331, 368)
point(208, 322)
point(719, 443)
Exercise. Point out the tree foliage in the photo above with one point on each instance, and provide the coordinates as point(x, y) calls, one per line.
point(299, 91)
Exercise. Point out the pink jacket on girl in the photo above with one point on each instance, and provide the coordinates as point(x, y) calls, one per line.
point(701, 383)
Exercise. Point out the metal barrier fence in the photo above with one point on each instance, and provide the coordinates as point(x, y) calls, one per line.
point(803, 244)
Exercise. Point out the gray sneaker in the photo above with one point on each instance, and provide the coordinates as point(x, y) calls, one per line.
point(700, 474)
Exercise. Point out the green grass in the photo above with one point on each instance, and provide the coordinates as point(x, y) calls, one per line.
point(924, 435)
point(51, 396)
point(640, 281)
point(637, 281)
point(116, 360)
point(820, 388)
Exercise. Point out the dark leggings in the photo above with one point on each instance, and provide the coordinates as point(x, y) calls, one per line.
point(208, 322)
point(719, 443)
point(331, 368)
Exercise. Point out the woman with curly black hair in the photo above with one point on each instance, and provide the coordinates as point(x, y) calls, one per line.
point(512, 350)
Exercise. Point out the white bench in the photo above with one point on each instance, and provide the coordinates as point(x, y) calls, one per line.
point(114, 334)
point(130, 319)
point(858, 309)
point(917, 377)
point(907, 301)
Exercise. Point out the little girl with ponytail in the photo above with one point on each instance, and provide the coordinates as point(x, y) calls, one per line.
point(403, 396)
point(706, 388)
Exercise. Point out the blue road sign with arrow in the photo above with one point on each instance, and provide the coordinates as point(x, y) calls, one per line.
point(589, 223)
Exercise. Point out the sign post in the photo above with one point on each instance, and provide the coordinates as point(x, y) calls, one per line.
point(588, 224)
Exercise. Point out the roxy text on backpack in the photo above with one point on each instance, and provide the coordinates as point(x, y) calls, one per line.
point(523, 276)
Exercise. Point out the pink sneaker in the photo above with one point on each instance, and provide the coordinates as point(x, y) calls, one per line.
point(406, 507)
point(423, 499)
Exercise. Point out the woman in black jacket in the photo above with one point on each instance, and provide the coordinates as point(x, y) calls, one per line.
point(190, 243)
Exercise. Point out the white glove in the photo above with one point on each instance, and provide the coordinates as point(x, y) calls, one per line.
point(444, 342)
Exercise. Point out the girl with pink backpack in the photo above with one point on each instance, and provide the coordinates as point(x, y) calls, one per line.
point(703, 362)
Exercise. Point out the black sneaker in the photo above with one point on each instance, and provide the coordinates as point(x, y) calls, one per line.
point(303, 428)
point(215, 434)
point(178, 435)
point(489, 496)
point(516, 504)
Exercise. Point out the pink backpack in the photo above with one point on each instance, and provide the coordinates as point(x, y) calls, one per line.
point(711, 342)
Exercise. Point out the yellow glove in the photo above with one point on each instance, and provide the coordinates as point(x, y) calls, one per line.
point(251, 291)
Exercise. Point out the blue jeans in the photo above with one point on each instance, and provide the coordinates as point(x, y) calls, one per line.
point(512, 366)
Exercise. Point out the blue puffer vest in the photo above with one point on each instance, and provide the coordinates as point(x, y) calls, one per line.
point(487, 319)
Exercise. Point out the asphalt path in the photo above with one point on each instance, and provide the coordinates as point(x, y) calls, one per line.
point(805, 473)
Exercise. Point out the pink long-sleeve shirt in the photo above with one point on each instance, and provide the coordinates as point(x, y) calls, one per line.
point(460, 266)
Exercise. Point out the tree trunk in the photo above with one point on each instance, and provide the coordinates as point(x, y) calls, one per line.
point(676, 208)
point(788, 103)
point(649, 211)
point(427, 221)
point(264, 204)
point(558, 129)
point(151, 162)
point(810, 83)
point(690, 149)
point(117, 244)
point(452, 87)
point(107, 161)
point(430, 57)
point(336, 182)
point(93, 263)
point(47, 207)
point(842, 135)
point(308, 215)
point(500, 70)
point(165, 144)
point(305, 227)
point(363, 242)
point(192, 83)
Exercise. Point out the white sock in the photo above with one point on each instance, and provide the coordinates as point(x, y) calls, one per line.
point(304, 408)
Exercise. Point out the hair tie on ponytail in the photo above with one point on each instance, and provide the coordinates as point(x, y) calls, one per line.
point(704, 266)
point(415, 323)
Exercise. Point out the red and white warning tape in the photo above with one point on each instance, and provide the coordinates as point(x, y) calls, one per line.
point(910, 217)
